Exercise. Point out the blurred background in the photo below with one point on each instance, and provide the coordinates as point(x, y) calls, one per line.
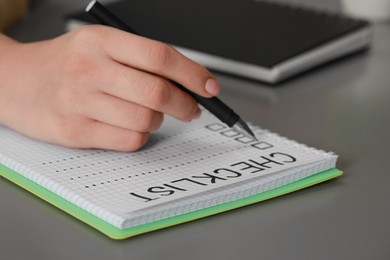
point(53, 24)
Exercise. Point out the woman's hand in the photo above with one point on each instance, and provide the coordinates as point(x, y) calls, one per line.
point(96, 87)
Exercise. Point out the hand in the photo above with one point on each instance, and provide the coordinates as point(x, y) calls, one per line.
point(96, 87)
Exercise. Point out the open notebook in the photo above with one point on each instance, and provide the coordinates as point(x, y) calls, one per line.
point(186, 171)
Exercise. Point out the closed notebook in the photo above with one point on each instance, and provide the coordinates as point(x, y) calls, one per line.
point(255, 39)
point(186, 171)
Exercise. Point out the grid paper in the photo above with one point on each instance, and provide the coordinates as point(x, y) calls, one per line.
point(179, 158)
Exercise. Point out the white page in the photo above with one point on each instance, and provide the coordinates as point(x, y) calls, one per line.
point(181, 160)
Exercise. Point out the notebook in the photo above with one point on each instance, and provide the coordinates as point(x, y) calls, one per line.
point(260, 40)
point(186, 171)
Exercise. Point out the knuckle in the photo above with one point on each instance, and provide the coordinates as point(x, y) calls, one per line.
point(86, 34)
point(133, 141)
point(159, 93)
point(144, 117)
point(148, 119)
point(77, 60)
point(158, 120)
point(187, 112)
point(70, 134)
point(161, 56)
point(77, 65)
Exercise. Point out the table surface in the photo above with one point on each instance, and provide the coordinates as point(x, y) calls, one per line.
point(341, 107)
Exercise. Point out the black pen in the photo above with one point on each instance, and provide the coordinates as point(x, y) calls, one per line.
point(214, 105)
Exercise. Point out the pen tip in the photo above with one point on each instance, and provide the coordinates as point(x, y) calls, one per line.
point(245, 128)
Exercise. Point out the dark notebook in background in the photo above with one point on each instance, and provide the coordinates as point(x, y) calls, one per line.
point(255, 39)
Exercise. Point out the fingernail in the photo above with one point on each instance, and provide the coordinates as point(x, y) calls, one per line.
point(212, 87)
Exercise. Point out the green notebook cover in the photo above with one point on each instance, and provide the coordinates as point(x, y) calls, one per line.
point(116, 233)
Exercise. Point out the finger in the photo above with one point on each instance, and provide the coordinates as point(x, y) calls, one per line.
point(161, 59)
point(118, 112)
point(148, 90)
point(98, 135)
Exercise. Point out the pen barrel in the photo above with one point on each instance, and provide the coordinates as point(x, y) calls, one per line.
point(215, 106)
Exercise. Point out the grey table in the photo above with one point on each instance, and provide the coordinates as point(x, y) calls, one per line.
point(342, 107)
